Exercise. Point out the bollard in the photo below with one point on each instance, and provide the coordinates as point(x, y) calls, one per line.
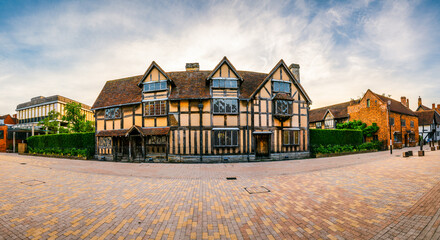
point(421, 153)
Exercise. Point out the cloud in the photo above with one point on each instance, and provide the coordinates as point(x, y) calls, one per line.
point(72, 48)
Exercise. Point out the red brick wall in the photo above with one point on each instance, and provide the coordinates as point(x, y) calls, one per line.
point(4, 142)
point(378, 113)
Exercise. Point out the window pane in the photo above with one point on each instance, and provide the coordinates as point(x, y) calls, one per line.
point(296, 137)
point(146, 87)
point(163, 85)
point(221, 137)
point(235, 138)
point(215, 83)
point(228, 139)
point(228, 104)
point(216, 106)
point(286, 138)
point(222, 106)
point(221, 83)
point(234, 104)
point(234, 83)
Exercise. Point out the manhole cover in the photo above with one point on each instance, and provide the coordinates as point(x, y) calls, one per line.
point(32, 182)
point(231, 178)
point(257, 189)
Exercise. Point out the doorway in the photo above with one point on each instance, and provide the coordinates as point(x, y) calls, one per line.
point(262, 142)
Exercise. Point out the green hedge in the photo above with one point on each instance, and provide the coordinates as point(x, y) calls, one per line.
point(335, 137)
point(64, 141)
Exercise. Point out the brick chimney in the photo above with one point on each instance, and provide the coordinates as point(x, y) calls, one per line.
point(420, 101)
point(407, 103)
point(403, 100)
point(294, 68)
point(192, 67)
point(433, 106)
point(438, 106)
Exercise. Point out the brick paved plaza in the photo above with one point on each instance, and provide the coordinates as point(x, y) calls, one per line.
point(363, 196)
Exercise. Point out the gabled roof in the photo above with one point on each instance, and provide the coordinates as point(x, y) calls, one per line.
point(151, 67)
point(427, 117)
point(396, 106)
point(337, 110)
point(422, 108)
point(125, 132)
point(224, 60)
point(295, 81)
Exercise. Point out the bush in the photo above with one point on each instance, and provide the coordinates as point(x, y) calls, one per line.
point(346, 148)
point(70, 144)
point(335, 137)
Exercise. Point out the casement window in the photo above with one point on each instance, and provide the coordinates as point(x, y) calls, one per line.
point(112, 113)
point(155, 108)
point(155, 86)
point(224, 83)
point(157, 140)
point(403, 123)
point(225, 106)
point(281, 86)
point(391, 121)
point(411, 123)
point(283, 107)
point(225, 138)
point(397, 137)
point(318, 125)
point(329, 123)
point(291, 137)
point(368, 102)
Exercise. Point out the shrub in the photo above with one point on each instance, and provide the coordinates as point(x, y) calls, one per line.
point(335, 137)
point(70, 144)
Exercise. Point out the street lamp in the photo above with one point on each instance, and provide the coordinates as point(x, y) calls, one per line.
point(389, 125)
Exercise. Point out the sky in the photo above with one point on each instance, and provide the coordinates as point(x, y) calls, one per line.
point(71, 48)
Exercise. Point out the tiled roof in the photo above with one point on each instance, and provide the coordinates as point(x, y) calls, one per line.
point(338, 111)
point(188, 85)
point(427, 117)
point(119, 92)
point(41, 100)
point(423, 107)
point(143, 131)
point(283, 96)
point(396, 106)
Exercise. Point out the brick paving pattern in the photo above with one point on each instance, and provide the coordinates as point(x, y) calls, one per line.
point(365, 196)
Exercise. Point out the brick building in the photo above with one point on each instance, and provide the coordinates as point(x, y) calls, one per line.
point(8, 120)
point(373, 108)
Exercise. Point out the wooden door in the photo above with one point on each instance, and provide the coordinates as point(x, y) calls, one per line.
point(262, 142)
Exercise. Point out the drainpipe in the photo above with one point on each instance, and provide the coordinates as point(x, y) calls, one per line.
point(201, 129)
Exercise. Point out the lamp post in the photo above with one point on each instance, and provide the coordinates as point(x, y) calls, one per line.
point(389, 125)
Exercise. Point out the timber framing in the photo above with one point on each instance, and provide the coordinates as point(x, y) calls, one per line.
point(221, 115)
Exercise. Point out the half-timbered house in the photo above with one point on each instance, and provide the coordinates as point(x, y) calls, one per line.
point(220, 115)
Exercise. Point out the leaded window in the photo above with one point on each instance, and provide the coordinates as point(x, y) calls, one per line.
point(155, 86)
point(226, 138)
point(225, 106)
point(329, 123)
point(224, 83)
point(157, 140)
point(112, 113)
point(155, 108)
point(281, 86)
point(283, 107)
point(291, 137)
point(318, 125)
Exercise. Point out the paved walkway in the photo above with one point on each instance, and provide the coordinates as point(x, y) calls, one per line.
point(364, 196)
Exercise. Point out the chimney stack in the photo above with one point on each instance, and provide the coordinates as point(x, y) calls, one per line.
point(403, 100)
point(420, 101)
point(192, 67)
point(438, 106)
point(407, 103)
point(294, 68)
point(433, 106)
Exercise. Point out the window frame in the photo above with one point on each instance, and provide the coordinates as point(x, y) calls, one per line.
point(411, 124)
point(113, 113)
point(320, 125)
point(289, 107)
point(368, 103)
point(403, 122)
point(293, 137)
point(147, 113)
point(221, 143)
point(392, 122)
point(398, 135)
point(225, 100)
point(224, 80)
point(276, 81)
point(154, 83)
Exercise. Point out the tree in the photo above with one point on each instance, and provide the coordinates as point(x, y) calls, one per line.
point(367, 131)
point(50, 123)
point(77, 120)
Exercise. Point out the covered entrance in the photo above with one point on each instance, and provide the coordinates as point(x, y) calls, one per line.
point(136, 144)
point(262, 144)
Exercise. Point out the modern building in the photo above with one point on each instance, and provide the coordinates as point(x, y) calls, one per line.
point(30, 113)
point(394, 119)
point(429, 122)
point(203, 116)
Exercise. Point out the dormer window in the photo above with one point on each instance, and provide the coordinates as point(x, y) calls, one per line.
point(224, 83)
point(281, 86)
point(155, 86)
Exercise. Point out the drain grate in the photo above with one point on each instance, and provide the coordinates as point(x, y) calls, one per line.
point(257, 189)
point(23, 163)
point(231, 178)
point(32, 182)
